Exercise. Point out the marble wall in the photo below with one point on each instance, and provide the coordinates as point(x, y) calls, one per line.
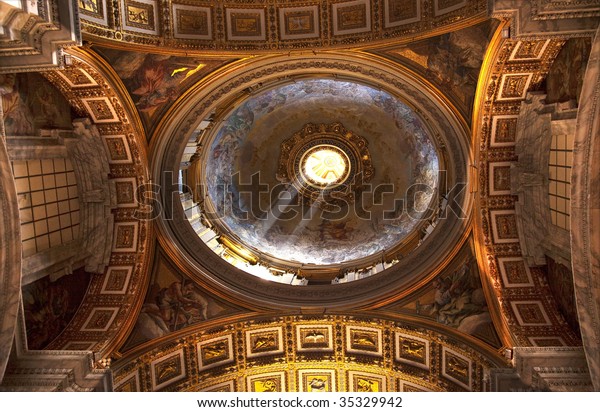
point(529, 178)
point(10, 254)
point(585, 213)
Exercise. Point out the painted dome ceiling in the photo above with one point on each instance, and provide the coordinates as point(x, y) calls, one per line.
point(374, 169)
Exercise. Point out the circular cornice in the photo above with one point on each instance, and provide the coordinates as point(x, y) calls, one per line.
point(293, 226)
point(220, 90)
point(323, 157)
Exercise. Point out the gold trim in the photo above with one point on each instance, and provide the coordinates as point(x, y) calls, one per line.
point(183, 333)
point(238, 250)
point(92, 59)
point(237, 326)
point(95, 60)
point(492, 52)
point(161, 49)
point(184, 50)
point(112, 88)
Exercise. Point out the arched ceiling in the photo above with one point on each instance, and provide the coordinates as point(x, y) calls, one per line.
point(259, 26)
point(164, 95)
point(105, 135)
point(341, 352)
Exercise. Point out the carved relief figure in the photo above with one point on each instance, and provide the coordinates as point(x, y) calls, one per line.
point(173, 302)
point(458, 300)
point(299, 22)
point(168, 369)
point(264, 342)
point(249, 24)
point(137, 15)
point(505, 130)
point(365, 385)
point(363, 339)
point(265, 385)
point(457, 367)
point(216, 350)
point(317, 384)
point(100, 319)
point(89, 5)
point(314, 336)
point(413, 349)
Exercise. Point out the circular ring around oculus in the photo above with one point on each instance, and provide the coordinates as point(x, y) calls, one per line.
point(324, 166)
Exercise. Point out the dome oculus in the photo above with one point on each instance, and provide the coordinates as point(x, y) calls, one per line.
point(273, 167)
point(325, 163)
point(325, 166)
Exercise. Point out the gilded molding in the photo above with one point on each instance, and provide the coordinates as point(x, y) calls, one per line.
point(504, 82)
point(209, 26)
point(350, 337)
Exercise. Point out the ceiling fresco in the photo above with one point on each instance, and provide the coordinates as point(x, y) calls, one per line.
point(50, 304)
point(174, 302)
point(155, 81)
point(422, 94)
point(455, 298)
point(450, 61)
point(248, 143)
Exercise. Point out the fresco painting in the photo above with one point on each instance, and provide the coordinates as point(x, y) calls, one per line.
point(155, 81)
point(174, 302)
point(455, 298)
point(452, 61)
point(249, 140)
point(565, 78)
point(31, 103)
point(50, 305)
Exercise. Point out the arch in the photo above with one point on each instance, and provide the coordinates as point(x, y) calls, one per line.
point(585, 218)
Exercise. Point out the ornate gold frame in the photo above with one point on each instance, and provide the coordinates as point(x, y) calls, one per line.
point(334, 135)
